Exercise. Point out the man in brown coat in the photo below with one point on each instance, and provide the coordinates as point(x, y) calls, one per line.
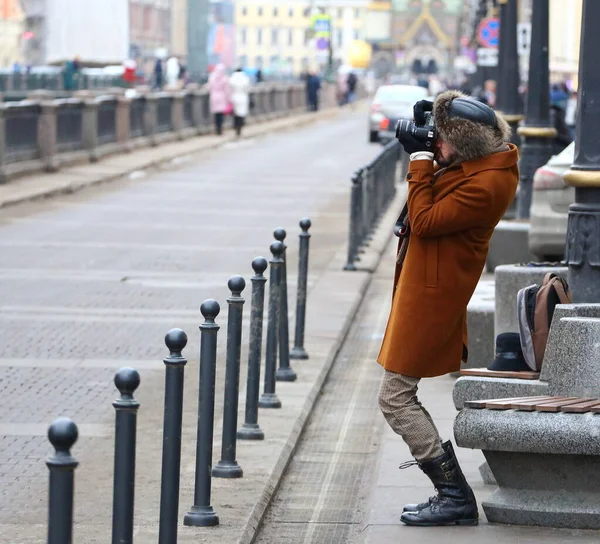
point(453, 207)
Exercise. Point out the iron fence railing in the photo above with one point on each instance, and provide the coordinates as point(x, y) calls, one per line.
point(21, 131)
point(69, 125)
point(164, 114)
point(373, 188)
point(107, 120)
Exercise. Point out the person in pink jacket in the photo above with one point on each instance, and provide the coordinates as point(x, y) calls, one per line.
point(220, 95)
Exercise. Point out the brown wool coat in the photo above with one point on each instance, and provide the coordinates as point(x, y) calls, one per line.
point(451, 224)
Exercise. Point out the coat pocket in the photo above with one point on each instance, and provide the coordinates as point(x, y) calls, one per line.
point(431, 263)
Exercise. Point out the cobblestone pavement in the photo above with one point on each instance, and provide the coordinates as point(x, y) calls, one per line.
point(93, 281)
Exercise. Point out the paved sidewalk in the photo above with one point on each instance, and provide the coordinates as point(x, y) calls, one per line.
point(393, 488)
point(135, 164)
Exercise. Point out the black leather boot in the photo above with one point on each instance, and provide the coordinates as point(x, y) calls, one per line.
point(455, 503)
point(417, 507)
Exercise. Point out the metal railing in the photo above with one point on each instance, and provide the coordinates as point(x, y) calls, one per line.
point(373, 188)
point(21, 131)
point(107, 120)
point(137, 113)
point(89, 121)
point(69, 125)
point(164, 113)
point(188, 110)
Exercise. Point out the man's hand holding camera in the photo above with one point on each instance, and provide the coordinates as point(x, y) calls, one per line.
point(410, 134)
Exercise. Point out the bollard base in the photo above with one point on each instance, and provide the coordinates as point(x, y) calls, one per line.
point(250, 431)
point(285, 375)
point(227, 469)
point(201, 516)
point(350, 266)
point(299, 352)
point(269, 400)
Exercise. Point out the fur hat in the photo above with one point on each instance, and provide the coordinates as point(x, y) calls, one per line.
point(470, 139)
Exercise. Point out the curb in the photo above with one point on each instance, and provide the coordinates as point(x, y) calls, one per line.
point(260, 129)
point(383, 237)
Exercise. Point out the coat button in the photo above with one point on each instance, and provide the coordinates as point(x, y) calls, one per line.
point(408, 176)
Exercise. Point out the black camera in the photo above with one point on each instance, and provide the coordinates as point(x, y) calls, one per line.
point(425, 133)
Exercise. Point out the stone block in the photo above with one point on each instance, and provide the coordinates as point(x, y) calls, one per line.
point(479, 388)
point(572, 359)
point(486, 474)
point(480, 324)
point(510, 279)
point(509, 244)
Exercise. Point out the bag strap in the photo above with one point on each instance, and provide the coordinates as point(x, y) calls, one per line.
point(563, 295)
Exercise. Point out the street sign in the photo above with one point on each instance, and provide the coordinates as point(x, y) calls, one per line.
point(523, 38)
point(321, 25)
point(488, 32)
point(487, 56)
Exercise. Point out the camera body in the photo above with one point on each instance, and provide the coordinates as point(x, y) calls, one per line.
point(425, 133)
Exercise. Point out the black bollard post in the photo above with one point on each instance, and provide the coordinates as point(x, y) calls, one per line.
point(62, 435)
point(354, 228)
point(299, 352)
point(202, 514)
point(228, 466)
point(175, 363)
point(250, 430)
point(269, 398)
point(285, 373)
point(127, 381)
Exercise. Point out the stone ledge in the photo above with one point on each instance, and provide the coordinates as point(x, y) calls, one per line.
point(528, 432)
point(509, 244)
point(479, 388)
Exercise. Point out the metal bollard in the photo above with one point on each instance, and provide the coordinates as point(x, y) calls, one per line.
point(299, 352)
point(62, 434)
point(175, 363)
point(269, 398)
point(250, 430)
point(228, 466)
point(202, 514)
point(354, 229)
point(284, 373)
point(127, 381)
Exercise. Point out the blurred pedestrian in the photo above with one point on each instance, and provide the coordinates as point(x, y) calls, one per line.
point(240, 99)
point(259, 76)
point(173, 71)
point(489, 92)
point(158, 75)
point(352, 84)
point(220, 96)
point(342, 87)
point(571, 113)
point(313, 86)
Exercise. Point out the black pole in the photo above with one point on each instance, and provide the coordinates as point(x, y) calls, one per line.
point(127, 381)
point(284, 373)
point(228, 466)
point(354, 230)
point(62, 434)
point(508, 101)
point(269, 398)
point(202, 514)
point(299, 352)
point(536, 133)
point(250, 430)
point(175, 363)
point(583, 235)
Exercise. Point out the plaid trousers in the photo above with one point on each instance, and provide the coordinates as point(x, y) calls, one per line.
point(407, 417)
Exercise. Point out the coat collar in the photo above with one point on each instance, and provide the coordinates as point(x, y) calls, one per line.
point(495, 161)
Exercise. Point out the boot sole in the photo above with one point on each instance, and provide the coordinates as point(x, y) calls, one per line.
point(460, 522)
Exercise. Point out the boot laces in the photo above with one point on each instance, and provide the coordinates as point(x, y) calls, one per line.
point(408, 464)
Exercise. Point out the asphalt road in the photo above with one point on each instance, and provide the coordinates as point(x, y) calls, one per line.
point(92, 281)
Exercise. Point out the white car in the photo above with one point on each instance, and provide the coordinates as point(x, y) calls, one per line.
point(390, 103)
point(551, 198)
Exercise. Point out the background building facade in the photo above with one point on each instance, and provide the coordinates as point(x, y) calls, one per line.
point(12, 21)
